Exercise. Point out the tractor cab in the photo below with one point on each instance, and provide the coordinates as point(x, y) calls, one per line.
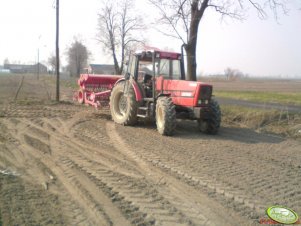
point(147, 66)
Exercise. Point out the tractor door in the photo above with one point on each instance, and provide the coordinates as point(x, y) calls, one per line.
point(131, 71)
point(145, 74)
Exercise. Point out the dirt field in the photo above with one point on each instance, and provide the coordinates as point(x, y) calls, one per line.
point(66, 164)
point(271, 85)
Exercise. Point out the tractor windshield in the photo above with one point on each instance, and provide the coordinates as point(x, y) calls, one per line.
point(165, 64)
point(169, 69)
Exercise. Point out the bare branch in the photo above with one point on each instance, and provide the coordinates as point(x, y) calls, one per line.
point(182, 18)
point(170, 20)
point(260, 11)
point(117, 29)
point(225, 12)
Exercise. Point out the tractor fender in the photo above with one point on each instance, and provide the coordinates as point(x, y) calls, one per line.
point(135, 86)
point(163, 95)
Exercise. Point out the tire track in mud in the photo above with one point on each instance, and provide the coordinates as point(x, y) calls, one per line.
point(32, 129)
point(248, 184)
point(138, 207)
point(20, 199)
point(159, 212)
point(180, 195)
point(154, 180)
point(175, 170)
point(73, 186)
point(71, 205)
point(22, 202)
point(40, 110)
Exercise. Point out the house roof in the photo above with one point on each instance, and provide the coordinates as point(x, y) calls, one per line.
point(102, 66)
point(21, 66)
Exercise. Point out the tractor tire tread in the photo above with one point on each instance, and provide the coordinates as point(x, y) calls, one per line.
point(215, 119)
point(130, 118)
point(169, 116)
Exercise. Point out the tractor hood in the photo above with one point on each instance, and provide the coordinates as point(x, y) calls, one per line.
point(184, 93)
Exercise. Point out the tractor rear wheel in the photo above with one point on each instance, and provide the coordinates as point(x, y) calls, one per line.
point(165, 116)
point(123, 108)
point(212, 124)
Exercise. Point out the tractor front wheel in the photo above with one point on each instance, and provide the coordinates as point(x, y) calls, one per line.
point(123, 107)
point(212, 123)
point(165, 116)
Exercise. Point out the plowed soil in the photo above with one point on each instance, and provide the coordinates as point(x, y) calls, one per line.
point(69, 164)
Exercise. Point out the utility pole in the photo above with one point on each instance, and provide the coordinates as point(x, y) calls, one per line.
point(38, 65)
point(57, 52)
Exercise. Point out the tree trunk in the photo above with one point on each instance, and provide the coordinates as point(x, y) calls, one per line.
point(196, 15)
point(116, 65)
point(192, 42)
point(191, 62)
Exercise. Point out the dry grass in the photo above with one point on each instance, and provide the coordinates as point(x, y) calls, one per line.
point(269, 121)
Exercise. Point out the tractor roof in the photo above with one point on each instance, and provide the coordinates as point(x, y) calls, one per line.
point(159, 53)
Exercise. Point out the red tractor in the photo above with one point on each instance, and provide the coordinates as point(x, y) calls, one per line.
point(154, 88)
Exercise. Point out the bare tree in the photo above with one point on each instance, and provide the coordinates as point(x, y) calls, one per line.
point(118, 26)
point(182, 18)
point(6, 61)
point(233, 74)
point(77, 56)
point(52, 62)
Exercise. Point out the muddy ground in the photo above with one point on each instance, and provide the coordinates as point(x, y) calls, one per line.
point(66, 164)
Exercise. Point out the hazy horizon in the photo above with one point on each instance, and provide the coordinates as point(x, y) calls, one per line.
point(255, 47)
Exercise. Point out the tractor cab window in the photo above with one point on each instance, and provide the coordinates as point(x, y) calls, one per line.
point(176, 69)
point(164, 68)
point(131, 66)
point(169, 69)
point(145, 75)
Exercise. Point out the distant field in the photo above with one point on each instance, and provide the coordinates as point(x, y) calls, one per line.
point(258, 85)
point(266, 91)
point(259, 96)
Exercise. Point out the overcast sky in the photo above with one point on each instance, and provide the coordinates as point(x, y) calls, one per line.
point(254, 46)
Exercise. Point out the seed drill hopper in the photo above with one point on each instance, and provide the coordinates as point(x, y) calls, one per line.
point(95, 89)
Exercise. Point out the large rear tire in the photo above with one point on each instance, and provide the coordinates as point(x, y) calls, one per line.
point(165, 116)
point(123, 108)
point(211, 125)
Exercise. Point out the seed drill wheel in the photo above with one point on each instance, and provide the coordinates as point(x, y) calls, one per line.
point(123, 108)
point(165, 116)
point(212, 124)
point(81, 96)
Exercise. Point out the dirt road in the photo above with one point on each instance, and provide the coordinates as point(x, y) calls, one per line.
point(65, 164)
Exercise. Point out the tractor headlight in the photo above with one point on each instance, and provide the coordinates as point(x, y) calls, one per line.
point(203, 102)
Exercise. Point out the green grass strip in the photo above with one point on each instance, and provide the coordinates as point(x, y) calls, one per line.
point(263, 97)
